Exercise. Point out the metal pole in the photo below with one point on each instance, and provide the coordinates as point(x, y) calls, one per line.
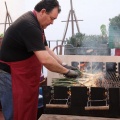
point(72, 22)
point(64, 34)
point(72, 13)
point(76, 22)
point(8, 17)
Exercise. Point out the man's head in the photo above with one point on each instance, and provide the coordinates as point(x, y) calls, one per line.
point(47, 11)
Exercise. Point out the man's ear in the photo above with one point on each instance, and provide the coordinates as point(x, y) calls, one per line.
point(43, 11)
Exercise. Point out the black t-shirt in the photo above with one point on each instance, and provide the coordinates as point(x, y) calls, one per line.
point(22, 38)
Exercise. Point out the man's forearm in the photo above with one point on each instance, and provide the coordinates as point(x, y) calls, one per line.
point(50, 62)
point(54, 55)
point(55, 67)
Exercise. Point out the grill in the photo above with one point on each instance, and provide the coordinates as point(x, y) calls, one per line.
point(97, 93)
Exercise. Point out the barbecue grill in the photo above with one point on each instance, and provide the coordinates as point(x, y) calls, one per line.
point(97, 93)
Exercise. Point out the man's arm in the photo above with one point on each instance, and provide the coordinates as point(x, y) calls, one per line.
point(54, 55)
point(50, 62)
point(59, 60)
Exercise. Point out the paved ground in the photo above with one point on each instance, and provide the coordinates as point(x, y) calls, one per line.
point(72, 117)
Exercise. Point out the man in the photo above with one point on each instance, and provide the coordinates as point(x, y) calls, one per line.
point(24, 49)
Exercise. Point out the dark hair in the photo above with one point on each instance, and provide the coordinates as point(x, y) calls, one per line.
point(49, 5)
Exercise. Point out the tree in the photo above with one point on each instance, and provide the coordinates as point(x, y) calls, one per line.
point(76, 40)
point(115, 21)
point(114, 32)
point(1, 35)
point(103, 30)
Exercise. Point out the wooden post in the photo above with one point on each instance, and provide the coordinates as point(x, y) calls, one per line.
point(73, 19)
point(8, 18)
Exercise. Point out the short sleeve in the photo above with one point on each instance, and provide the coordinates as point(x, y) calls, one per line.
point(33, 39)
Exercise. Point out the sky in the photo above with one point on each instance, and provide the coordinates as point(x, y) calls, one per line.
point(94, 13)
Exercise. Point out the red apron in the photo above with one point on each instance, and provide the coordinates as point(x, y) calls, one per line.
point(25, 84)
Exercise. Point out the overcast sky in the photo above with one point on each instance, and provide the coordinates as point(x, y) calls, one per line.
point(94, 13)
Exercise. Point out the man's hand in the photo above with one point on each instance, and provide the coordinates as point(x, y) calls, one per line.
point(69, 67)
point(72, 74)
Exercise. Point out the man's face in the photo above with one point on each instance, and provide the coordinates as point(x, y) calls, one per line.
point(46, 19)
